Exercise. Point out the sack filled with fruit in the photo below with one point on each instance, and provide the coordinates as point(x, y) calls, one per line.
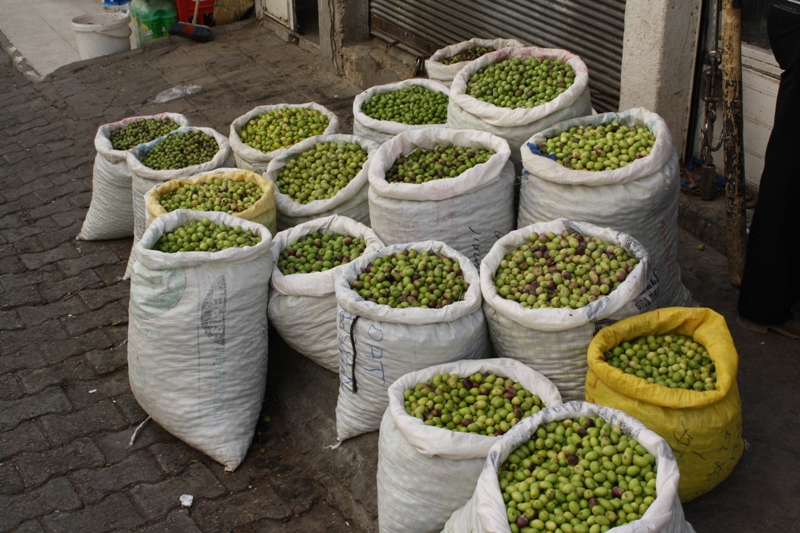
point(549, 287)
point(197, 330)
point(439, 427)
point(308, 258)
point(618, 170)
point(402, 308)
point(516, 92)
point(675, 370)
point(547, 474)
point(110, 214)
point(239, 193)
point(266, 132)
point(454, 186)
point(445, 62)
point(383, 111)
point(321, 176)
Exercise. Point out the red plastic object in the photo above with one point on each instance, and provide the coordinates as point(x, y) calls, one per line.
point(186, 10)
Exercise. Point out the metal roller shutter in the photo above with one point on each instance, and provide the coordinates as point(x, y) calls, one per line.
point(593, 29)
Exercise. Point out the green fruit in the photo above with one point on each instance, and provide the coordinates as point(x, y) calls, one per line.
point(318, 252)
point(482, 404)
point(426, 165)
point(470, 54)
point(412, 279)
point(281, 128)
point(141, 131)
point(215, 194)
point(669, 360)
point(604, 147)
point(181, 150)
point(515, 83)
point(321, 172)
point(564, 270)
point(579, 475)
point(414, 105)
point(205, 236)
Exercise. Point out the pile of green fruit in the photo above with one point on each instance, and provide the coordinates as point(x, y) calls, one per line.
point(470, 54)
point(321, 172)
point(483, 404)
point(282, 127)
point(670, 360)
point(577, 476)
point(318, 252)
point(564, 270)
point(181, 150)
point(603, 147)
point(516, 83)
point(414, 105)
point(141, 131)
point(427, 165)
point(226, 195)
point(412, 279)
point(205, 236)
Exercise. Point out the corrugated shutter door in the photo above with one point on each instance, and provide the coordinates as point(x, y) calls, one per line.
point(593, 29)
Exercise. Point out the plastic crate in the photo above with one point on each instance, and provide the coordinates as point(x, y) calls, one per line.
point(186, 11)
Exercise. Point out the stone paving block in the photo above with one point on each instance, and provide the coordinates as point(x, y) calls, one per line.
point(73, 267)
point(31, 526)
point(28, 245)
point(13, 341)
point(131, 409)
point(38, 260)
point(23, 229)
point(36, 468)
point(178, 521)
point(31, 187)
point(114, 513)
point(174, 457)
point(82, 200)
point(63, 144)
point(28, 357)
point(13, 412)
point(10, 388)
point(240, 509)
point(298, 492)
point(95, 484)
point(55, 131)
point(118, 333)
point(55, 237)
point(10, 481)
point(91, 391)
point(67, 371)
point(10, 221)
point(114, 444)
point(70, 219)
point(57, 495)
point(14, 157)
point(25, 203)
point(111, 274)
point(113, 312)
point(10, 320)
point(102, 416)
point(97, 298)
point(35, 122)
point(159, 498)
point(13, 282)
point(59, 205)
point(51, 193)
point(36, 315)
point(57, 351)
point(107, 361)
point(324, 518)
point(11, 265)
point(27, 437)
point(55, 290)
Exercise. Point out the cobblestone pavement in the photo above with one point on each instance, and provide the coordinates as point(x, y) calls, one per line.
point(66, 409)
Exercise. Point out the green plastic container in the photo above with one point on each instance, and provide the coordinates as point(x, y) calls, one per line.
point(152, 19)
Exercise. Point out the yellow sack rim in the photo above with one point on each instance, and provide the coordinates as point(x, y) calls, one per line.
point(264, 204)
point(702, 324)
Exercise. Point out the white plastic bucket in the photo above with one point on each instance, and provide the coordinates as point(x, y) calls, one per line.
point(101, 34)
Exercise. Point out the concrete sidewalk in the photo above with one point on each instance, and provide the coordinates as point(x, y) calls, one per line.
point(67, 412)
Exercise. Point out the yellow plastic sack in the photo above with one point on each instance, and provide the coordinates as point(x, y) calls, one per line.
point(262, 212)
point(704, 429)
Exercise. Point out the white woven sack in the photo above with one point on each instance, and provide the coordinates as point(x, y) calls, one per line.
point(381, 131)
point(197, 337)
point(449, 462)
point(554, 341)
point(640, 199)
point(444, 74)
point(517, 125)
point(468, 212)
point(250, 158)
point(485, 512)
point(390, 343)
point(110, 214)
point(302, 307)
point(145, 178)
point(350, 202)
